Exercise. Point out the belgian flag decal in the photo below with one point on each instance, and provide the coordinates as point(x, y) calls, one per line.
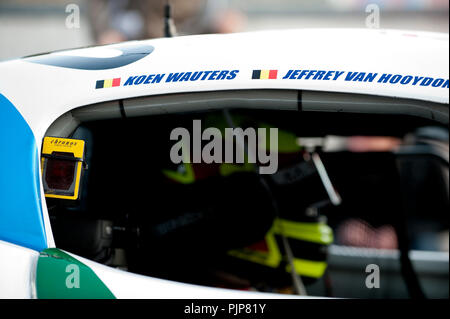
point(264, 74)
point(101, 84)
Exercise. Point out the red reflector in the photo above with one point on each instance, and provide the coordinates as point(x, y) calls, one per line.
point(59, 173)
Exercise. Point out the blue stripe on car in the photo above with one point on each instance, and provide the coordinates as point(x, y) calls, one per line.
point(21, 217)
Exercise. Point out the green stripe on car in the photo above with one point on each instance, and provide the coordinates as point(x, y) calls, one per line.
point(61, 276)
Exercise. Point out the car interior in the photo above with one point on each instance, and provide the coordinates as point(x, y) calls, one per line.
point(389, 170)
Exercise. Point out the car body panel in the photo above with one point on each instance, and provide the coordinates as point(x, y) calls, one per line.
point(21, 214)
point(64, 275)
point(59, 89)
point(17, 271)
point(125, 285)
point(59, 275)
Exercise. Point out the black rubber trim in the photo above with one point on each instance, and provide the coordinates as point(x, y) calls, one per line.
point(299, 101)
point(62, 157)
point(122, 109)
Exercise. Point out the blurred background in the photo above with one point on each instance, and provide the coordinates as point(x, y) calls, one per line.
point(35, 26)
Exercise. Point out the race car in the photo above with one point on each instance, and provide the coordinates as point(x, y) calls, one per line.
point(90, 206)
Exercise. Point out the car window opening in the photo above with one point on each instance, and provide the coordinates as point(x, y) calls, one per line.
point(223, 224)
